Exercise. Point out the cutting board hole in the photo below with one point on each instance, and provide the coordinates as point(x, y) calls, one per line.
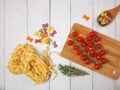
point(114, 72)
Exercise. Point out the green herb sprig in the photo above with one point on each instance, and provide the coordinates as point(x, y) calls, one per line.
point(71, 71)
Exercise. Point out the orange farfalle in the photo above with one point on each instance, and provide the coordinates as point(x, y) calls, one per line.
point(29, 39)
point(86, 17)
point(44, 36)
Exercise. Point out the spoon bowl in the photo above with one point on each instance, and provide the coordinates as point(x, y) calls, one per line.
point(106, 17)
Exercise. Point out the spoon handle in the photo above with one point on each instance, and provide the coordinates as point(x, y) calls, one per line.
point(114, 11)
point(117, 8)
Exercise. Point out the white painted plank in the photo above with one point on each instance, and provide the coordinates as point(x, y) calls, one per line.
point(15, 33)
point(60, 19)
point(78, 9)
point(117, 36)
point(38, 13)
point(2, 44)
point(101, 82)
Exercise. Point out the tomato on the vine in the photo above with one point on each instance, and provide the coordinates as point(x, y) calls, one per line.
point(74, 33)
point(102, 52)
point(86, 49)
point(92, 34)
point(98, 45)
point(97, 66)
point(90, 44)
point(96, 39)
point(75, 47)
point(79, 39)
point(83, 57)
point(78, 52)
point(87, 61)
point(98, 57)
point(70, 42)
point(83, 44)
point(103, 60)
point(88, 38)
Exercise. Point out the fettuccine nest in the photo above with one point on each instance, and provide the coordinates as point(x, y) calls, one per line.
point(24, 60)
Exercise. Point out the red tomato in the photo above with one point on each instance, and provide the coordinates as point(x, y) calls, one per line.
point(98, 45)
point(92, 34)
point(78, 52)
point(79, 39)
point(98, 57)
point(96, 39)
point(97, 66)
point(74, 33)
point(103, 60)
point(102, 52)
point(74, 47)
point(70, 42)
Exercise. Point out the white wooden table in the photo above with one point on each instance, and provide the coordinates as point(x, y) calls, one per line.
point(19, 18)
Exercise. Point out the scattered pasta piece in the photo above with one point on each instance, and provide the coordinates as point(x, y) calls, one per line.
point(29, 39)
point(86, 17)
point(54, 44)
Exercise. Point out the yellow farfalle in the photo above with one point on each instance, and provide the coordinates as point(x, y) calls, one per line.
point(50, 28)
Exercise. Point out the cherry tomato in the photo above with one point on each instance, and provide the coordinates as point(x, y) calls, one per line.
point(92, 34)
point(96, 39)
point(86, 49)
point(87, 61)
point(74, 33)
point(98, 45)
point(92, 51)
point(83, 57)
point(74, 47)
point(103, 60)
point(88, 38)
point(78, 52)
point(97, 66)
point(79, 39)
point(102, 52)
point(90, 44)
point(83, 44)
point(70, 42)
point(98, 57)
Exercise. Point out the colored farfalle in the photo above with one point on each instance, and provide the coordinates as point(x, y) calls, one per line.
point(54, 44)
point(53, 33)
point(37, 40)
point(86, 17)
point(50, 28)
point(44, 36)
point(44, 25)
point(47, 41)
point(41, 31)
point(104, 14)
point(37, 34)
point(29, 39)
point(45, 30)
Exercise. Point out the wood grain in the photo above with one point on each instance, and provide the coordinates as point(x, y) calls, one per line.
point(15, 33)
point(60, 19)
point(117, 2)
point(108, 67)
point(2, 46)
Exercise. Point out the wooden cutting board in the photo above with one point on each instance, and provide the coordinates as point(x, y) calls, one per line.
point(112, 67)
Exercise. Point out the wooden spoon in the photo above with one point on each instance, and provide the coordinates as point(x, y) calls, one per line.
point(107, 16)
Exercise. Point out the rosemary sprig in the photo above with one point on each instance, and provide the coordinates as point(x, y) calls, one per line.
point(71, 71)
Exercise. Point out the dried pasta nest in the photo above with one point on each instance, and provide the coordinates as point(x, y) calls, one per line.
point(24, 60)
